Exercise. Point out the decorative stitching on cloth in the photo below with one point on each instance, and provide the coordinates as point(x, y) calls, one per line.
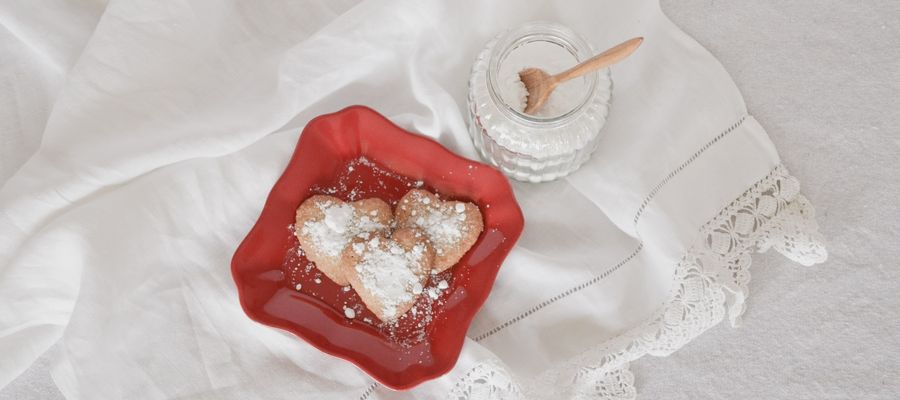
point(568, 292)
point(637, 250)
point(652, 194)
point(369, 391)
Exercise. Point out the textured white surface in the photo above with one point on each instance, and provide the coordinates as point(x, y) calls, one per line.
point(822, 77)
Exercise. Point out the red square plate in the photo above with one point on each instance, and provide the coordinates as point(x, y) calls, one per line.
point(267, 265)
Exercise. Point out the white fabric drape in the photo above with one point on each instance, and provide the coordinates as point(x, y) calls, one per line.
point(162, 126)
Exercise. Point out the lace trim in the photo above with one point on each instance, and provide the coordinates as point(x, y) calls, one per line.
point(710, 282)
point(615, 384)
point(712, 277)
point(487, 380)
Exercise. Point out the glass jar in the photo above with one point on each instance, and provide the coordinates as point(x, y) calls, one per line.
point(564, 133)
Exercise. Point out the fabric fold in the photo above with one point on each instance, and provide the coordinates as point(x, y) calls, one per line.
point(169, 131)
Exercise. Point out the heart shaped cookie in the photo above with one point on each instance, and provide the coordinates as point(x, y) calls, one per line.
point(451, 226)
point(326, 225)
point(389, 273)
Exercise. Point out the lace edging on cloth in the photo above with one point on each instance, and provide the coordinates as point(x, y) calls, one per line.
point(710, 282)
point(489, 380)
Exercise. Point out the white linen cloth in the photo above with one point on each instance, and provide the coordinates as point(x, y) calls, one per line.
point(166, 134)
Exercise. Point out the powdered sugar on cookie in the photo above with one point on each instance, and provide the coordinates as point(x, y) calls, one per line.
point(451, 226)
point(387, 261)
point(443, 227)
point(387, 272)
point(325, 225)
point(332, 233)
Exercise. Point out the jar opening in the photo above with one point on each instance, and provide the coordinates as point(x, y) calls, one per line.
point(548, 46)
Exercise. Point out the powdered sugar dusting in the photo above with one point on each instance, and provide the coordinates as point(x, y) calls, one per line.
point(390, 274)
point(444, 223)
point(341, 223)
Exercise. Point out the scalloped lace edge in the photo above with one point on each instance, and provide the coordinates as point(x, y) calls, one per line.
point(710, 282)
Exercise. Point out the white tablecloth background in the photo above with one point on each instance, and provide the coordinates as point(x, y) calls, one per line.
point(813, 377)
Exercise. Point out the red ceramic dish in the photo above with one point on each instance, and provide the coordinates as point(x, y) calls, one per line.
point(266, 266)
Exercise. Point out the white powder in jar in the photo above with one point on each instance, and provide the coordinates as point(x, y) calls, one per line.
point(551, 58)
